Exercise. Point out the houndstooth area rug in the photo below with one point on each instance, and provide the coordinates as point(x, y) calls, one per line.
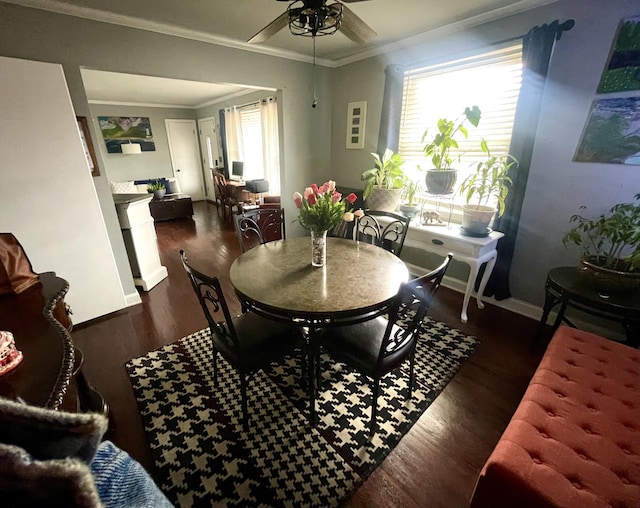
point(205, 458)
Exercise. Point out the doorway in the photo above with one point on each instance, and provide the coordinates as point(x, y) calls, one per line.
point(185, 157)
point(210, 153)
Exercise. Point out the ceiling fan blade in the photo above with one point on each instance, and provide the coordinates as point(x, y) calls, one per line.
point(352, 1)
point(354, 28)
point(271, 29)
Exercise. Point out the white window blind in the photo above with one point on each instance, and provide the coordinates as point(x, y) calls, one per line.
point(490, 80)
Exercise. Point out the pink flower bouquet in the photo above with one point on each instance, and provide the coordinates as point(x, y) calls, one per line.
point(323, 208)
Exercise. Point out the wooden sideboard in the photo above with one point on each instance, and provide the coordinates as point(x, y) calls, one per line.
point(50, 374)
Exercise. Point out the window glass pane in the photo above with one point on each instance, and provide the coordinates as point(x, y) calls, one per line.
point(490, 80)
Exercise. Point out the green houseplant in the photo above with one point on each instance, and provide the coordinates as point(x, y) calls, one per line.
point(157, 188)
point(410, 192)
point(384, 182)
point(490, 180)
point(610, 246)
point(441, 177)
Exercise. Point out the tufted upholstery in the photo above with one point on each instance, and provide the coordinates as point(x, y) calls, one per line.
point(574, 440)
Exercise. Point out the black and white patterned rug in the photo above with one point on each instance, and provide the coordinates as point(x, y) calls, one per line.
point(204, 458)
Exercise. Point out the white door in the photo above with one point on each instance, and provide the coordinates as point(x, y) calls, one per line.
point(185, 157)
point(209, 152)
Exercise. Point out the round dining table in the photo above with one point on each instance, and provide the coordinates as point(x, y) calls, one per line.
point(357, 282)
point(277, 281)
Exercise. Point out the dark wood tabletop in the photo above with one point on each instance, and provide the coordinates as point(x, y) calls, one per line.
point(277, 280)
point(40, 328)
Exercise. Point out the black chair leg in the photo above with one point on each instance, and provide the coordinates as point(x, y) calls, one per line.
point(374, 405)
point(243, 400)
point(215, 367)
point(411, 369)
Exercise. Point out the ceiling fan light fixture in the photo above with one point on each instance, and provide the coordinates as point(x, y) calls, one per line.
point(314, 21)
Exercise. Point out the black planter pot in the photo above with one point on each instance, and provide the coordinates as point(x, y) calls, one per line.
point(606, 279)
point(440, 181)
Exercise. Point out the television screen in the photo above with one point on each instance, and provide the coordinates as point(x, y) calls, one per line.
point(237, 170)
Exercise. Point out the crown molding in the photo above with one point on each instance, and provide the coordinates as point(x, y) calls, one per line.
point(458, 26)
point(185, 33)
point(162, 28)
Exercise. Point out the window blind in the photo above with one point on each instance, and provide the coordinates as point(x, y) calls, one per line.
point(490, 80)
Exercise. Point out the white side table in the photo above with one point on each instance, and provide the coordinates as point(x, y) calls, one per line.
point(471, 250)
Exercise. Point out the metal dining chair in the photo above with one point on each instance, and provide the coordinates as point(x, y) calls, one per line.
point(388, 233)
point(376, 347)
point(255, 227)
point(248, 342)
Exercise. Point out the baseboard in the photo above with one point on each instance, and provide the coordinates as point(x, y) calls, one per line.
point(132, 299)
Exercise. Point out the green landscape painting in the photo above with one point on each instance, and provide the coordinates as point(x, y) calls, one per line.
point(126, 129)
point(612, 132)
point(622, 72)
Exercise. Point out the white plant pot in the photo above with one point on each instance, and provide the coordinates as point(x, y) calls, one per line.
point(476, 219)
point(383, 199)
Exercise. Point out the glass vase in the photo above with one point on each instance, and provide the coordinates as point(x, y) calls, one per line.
point(318, 248)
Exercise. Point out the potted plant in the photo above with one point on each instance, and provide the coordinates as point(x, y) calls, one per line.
point(441, 178)
point(410, 192)
point(610, 245)
point(491, 180)
point(158, 189)
point(384, 182)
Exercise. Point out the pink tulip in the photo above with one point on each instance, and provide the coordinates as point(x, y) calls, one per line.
point(315, 188)
point(312, 199)
point(336, 197)
point(323, 189)
point(297, 198)
point(358, 213)
point(331, 185)
point(348, 217)
point(308, 192)
point(351, 198)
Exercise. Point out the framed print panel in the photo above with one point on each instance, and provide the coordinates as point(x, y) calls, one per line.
point(89, 152)
point(356, 120)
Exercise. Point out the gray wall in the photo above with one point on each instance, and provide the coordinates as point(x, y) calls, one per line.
point(157, 164)
point(557, 186)
point(77, 43)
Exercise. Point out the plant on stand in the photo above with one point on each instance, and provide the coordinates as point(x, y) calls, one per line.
point(441, 177)
point(384, 182)
point(321, 209)
point(610, 245)
point(491, 181)
point(410, 205)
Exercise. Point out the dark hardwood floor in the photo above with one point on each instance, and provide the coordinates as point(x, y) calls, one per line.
point(435, 464)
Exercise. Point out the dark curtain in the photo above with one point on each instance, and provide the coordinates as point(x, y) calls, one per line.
point(389, 134)
point(537, 46)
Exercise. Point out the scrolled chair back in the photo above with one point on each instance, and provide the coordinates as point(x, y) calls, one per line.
point(409, 309)
point(259, 226)
point(388, 233)
point(212, 300)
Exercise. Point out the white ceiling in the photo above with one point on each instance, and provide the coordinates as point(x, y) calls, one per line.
point(233, 22)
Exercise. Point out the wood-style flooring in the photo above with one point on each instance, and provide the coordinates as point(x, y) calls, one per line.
point(436, 463)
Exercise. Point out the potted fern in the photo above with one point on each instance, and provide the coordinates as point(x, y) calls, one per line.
point(490, 181)
point(441, 178)
point(384, 182)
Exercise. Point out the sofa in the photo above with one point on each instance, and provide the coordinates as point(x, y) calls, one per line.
point(574, 440)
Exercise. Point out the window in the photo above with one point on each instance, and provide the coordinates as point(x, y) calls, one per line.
point(252, 138)
point(490, 80)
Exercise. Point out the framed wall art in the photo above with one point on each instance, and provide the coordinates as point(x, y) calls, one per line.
point(117, 130)
point(87, 144)
point(622, 72)
point(356, 120)
point(611, 133)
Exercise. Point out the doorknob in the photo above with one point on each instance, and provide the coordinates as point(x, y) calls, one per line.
point(178, 170)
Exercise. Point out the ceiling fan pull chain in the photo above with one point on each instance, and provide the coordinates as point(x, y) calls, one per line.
point(315, 99)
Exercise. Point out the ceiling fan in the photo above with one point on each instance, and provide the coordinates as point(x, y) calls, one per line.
point(313, 18)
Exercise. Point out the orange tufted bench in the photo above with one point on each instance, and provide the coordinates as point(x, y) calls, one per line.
point(574, 440)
